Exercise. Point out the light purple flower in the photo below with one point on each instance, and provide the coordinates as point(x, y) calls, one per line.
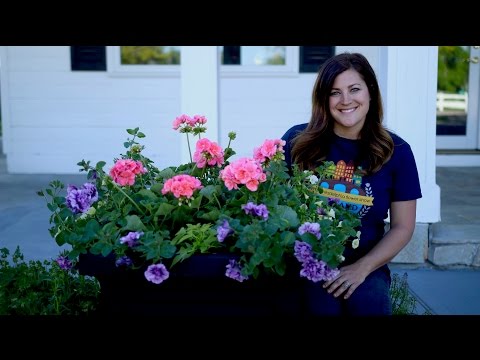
point(123, 261)
point(303, 251)
point(234, 271)
point(131, 238)
point(256, 210)
point(156, 273)
point(223, 231)
point(80, 200)
point(312, 228)
point(317, 270)
point(64, 263)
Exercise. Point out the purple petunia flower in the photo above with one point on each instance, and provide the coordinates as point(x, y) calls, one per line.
point(123, 261)
point(223, 231)
point(234, 271)
point(303, 251)
point(157, 273)
point(64, 263)
point(317, 270)
point(131, 238)
point(312, 228)
point(256, 210)
point(80, 200)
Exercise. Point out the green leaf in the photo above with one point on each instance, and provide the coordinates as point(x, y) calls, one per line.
point(164, 209)
point(212, 216)
point(209, 191)
point(167, 250)
point(91, 230)
point(134, 223)
point(166, 173)
point(157, 188)
point(196, 202)
point(287, 213)
point(148, 194)
point(52, 207)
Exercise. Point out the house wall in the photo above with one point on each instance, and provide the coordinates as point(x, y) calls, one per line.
point(56, 117)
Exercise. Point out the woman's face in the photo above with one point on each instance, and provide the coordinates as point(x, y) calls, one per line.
point(349, 101)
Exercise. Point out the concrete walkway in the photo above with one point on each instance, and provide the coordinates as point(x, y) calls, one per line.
point(24, 221)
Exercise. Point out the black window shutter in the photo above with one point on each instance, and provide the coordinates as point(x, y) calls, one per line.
point(92, 58)
point(231, 55)
point(312, 57)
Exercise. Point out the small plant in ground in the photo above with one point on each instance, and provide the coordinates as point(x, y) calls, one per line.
point(403, 302)
point(51, 287)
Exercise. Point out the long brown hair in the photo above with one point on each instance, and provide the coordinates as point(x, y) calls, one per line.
point(310, 147)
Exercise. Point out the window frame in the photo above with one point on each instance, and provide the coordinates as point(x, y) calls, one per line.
point(116, 69)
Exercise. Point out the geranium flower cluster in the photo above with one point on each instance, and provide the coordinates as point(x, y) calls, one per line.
point(253, 208)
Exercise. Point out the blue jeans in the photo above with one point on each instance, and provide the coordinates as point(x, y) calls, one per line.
point(371, 298)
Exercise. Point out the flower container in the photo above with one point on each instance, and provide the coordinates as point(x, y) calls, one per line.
point(197, 287)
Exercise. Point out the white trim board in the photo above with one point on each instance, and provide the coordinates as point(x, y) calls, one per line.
point(457, 160)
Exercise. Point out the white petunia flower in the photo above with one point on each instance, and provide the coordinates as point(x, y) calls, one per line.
point(355, 243)
point(331, 213)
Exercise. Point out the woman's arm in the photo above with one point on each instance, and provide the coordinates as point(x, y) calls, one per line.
point(402, 225)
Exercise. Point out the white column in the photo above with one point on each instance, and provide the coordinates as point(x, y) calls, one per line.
point(408, 78)
point(5, 101)
point(200, 90)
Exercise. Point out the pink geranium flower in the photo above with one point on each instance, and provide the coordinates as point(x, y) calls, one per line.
point(269, 150)
point(125, 170)
point(208, 152)
point(244, 171)
point(181, 186)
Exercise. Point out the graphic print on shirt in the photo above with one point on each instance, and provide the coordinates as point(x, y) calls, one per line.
point(341, 181)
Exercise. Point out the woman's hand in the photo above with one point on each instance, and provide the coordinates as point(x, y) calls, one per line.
point(350, 277)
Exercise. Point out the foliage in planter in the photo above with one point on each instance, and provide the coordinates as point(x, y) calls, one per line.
point(252, 207)
point(43, 288)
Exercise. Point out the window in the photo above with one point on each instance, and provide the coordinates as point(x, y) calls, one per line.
point(253, 55)
point(146, 60)
point(258, 60)
point(150, 55)
point(235, 60)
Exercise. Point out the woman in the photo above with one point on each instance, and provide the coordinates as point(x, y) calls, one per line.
point(374, 166)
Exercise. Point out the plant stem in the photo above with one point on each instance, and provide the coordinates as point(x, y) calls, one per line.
point(189, 149)
point(128, 197)
point(218, 202)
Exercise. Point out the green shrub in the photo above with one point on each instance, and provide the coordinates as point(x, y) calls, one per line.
point(403, 302)
point(43, 288)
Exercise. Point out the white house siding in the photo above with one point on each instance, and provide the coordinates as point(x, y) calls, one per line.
point(262, 108)
point(56, 117)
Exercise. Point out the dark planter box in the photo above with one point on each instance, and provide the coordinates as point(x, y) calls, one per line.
point(196, 287)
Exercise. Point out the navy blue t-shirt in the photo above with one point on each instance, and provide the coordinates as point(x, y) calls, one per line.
point(397, 180)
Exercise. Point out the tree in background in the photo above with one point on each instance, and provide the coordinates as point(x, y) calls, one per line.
point(163, 55)
point(453, 69)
